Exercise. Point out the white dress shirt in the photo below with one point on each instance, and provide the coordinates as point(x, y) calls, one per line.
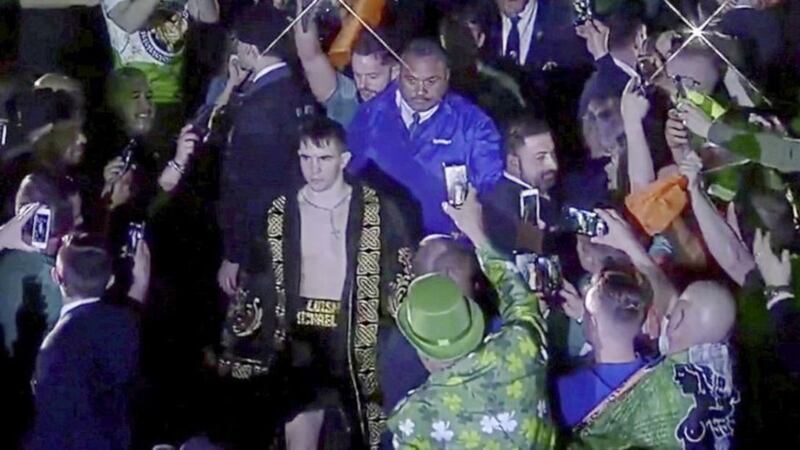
point(263, 72)
point(516, 180)
point(626, 68)
point(527, 20)
point(72, 305)
point(407, 113)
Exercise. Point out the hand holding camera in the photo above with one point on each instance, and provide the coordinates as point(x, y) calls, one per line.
point(619, 234)
point(542, 273)
point(468, 217)
point(11, 232)
point(457, 183)
point(776, 270)
point(584, 222)
point(140, 273)
point(675, 132)
point(573, 305)
point(697, 121)
point(187, 144)
point(596, 34)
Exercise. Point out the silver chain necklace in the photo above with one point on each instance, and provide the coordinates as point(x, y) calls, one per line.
point(335, 231)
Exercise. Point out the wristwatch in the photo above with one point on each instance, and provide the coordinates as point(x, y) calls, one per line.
point(773, 291)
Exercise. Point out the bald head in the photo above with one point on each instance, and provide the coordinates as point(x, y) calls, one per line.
point(442, 254)
point(704, 314)
point(429, 250)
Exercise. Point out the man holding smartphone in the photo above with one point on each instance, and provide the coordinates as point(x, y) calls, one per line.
point(401, 139)
point(526, 189)
point(31, 300)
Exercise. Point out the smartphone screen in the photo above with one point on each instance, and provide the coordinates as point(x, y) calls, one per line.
point(455, 177)
point(3, 132)
point(584, 11)
point(40, 232)
point(135, 236)
point(550, 268)
point(585, 222)
point(541, 273)
point(529, 206)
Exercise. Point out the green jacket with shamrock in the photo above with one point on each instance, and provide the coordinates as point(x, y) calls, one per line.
point(495, 398)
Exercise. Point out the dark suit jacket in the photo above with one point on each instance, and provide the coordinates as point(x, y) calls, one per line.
point(84, 377)
point(502, 218)
point(554, 38)
point(260, 160)
point(557, 66)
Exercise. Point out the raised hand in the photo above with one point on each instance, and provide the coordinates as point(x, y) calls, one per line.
point(776, 271)
point(676, 133)
point(635, 104)
point(573, 302)
point(690, 167)
point(140, 273)
point(620, 234)
point(11, 231)
point(469, 218)
point(697, 121)
point(596, 34)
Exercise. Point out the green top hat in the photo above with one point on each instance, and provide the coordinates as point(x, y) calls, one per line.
point(438, 320)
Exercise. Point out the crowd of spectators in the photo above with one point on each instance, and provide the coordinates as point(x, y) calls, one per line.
point(412, 224)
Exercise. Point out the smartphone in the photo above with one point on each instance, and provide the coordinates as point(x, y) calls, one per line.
point(40, 231)
point(455, 177)
point(127, 155)
point(680, 88)
point(201, 122)
point(584, 11)
point(135, 236)
point(3, 132)
point(585, 222)
point(529, 206)
point(542, 273)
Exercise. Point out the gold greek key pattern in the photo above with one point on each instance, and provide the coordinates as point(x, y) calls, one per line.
point(368, 263)
point(368, 310)
point(376, 420)
point(368, 305)
point(241, 370)
point(368, 287)
point(275, 238)
point(399, 287)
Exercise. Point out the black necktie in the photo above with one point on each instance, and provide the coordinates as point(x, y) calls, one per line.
point(414, 123)
point(513, 42)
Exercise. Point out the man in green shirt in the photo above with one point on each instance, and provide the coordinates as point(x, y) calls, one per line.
point(482, 393)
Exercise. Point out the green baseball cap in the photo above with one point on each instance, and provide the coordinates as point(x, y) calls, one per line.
point(438, 320)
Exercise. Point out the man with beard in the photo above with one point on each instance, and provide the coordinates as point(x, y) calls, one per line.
point(415, 127)
point(374, 68)
point(322, 281)
point(531, 163)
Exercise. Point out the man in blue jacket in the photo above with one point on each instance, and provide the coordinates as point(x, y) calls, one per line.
point(415, 126)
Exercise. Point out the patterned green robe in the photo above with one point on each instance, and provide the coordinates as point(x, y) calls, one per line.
point(764, 147)
point(680, 402)
point(495, 398)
